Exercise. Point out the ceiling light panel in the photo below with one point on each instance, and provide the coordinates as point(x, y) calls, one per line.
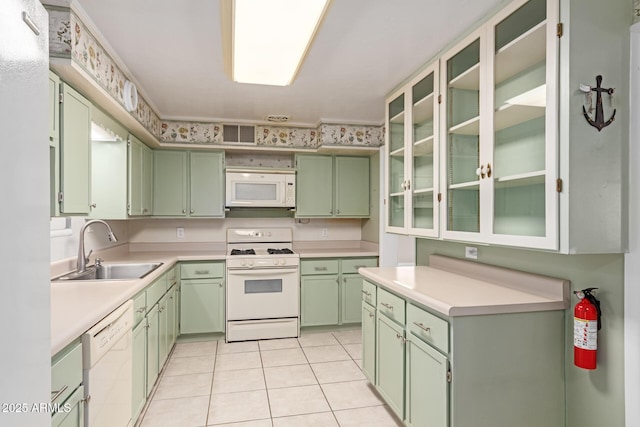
point(271, 38)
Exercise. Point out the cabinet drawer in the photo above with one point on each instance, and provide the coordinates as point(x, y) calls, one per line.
point(319, 266)
point(139, 307)
point(369, 293)
point(429, 328)
point(351, 265)
point(391, 306)
point(66, 373)
point(201, 270)
point(155, 292)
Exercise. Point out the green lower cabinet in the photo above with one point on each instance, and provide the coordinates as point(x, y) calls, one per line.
point(163, 330)
point(351, 297)
point(390, 360)
point(319, 300)
point(201, 306)
point(139, 394)
point(74, 415)
point(427, 388)
point(153, 335)
point(369, 342)
point(172, 317)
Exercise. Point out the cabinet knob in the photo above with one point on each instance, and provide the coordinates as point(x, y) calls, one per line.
point(338, 212)
point(371, 315)
point(191, 211)
point(480, 171)
point(184, 211)
point(93, 205)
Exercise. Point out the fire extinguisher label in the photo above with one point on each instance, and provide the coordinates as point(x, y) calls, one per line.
point(585, 334)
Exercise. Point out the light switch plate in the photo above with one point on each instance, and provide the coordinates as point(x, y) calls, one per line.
point(471, 252)
point(180, 232)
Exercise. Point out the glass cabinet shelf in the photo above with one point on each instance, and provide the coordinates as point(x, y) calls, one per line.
point(530, 178)
point(424, 146)
point(468, 127)
point(465, 185)
point(510, 115)
point(468, 80)
point(509, 59)
point(398, 118)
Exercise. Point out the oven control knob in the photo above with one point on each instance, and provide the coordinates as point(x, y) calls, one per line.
point(243, 262)
point(283, 262)
point(275, 262)
point(250, 263)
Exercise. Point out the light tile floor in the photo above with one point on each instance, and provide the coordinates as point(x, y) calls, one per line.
point(313, 381)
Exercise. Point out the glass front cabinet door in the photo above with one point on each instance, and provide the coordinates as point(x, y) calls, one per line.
point(499, 130)
point(412, 157)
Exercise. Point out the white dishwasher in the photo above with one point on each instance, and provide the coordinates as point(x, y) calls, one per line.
point(107, 369)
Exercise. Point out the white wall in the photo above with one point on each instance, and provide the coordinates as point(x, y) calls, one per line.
point(65, 245)
point(25, 354)
point(632, 259)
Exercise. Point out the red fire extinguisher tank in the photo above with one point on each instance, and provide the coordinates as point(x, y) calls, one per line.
point(586, 322)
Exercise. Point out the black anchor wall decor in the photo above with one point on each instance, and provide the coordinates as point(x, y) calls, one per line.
point(598, 122)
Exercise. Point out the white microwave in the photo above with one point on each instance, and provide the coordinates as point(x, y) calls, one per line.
point(260, 188)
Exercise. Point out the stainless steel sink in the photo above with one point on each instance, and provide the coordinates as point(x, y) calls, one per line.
point(124, 271)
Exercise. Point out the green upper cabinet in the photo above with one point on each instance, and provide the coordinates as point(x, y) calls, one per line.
point(188, 184)
point(352, 182)
point(169, 183)
point(108, 167)
point(314, 186)
point(206, 179)
point(500, 131)
point(412, 157)
point(140, 178)
point(75, 143)
point(332, 186)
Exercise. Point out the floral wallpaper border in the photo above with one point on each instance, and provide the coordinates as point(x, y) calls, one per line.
point(69, 38)
point(276, 136)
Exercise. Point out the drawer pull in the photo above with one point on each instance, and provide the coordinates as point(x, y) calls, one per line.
point(367, 293)
point(320, 268)
point(201, 272)
point(388, 306)
point(141, 310)
point(371, 315)
point(421, 326)
point(57, 393)
point(401, 338)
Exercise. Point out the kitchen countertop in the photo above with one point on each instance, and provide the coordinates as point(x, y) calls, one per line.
point(78, 305)
point(473, 289)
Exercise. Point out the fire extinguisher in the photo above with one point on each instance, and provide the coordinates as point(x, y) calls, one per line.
point(587, 320)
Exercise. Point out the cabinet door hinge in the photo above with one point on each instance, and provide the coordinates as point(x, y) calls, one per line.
point(60, 197)
point(440, 99)
point(559, 185)
point(449, 376)
point(61, 97)
point(559, 29)
point(439, 197)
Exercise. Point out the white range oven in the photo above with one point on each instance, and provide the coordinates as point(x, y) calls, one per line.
point(263, 284)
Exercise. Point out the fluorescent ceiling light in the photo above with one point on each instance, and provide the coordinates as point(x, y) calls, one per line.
point(267, 40)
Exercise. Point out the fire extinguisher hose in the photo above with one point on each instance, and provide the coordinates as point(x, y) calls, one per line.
point(592, 299)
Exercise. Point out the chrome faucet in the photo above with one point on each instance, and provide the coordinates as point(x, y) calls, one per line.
point(82, 258)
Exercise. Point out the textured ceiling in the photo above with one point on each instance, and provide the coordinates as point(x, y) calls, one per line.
point(364, 49)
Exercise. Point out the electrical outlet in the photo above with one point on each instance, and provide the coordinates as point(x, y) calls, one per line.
point(471, 252)
point(180, 232)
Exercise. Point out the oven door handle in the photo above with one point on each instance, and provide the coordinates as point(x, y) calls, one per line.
point(262, 268)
